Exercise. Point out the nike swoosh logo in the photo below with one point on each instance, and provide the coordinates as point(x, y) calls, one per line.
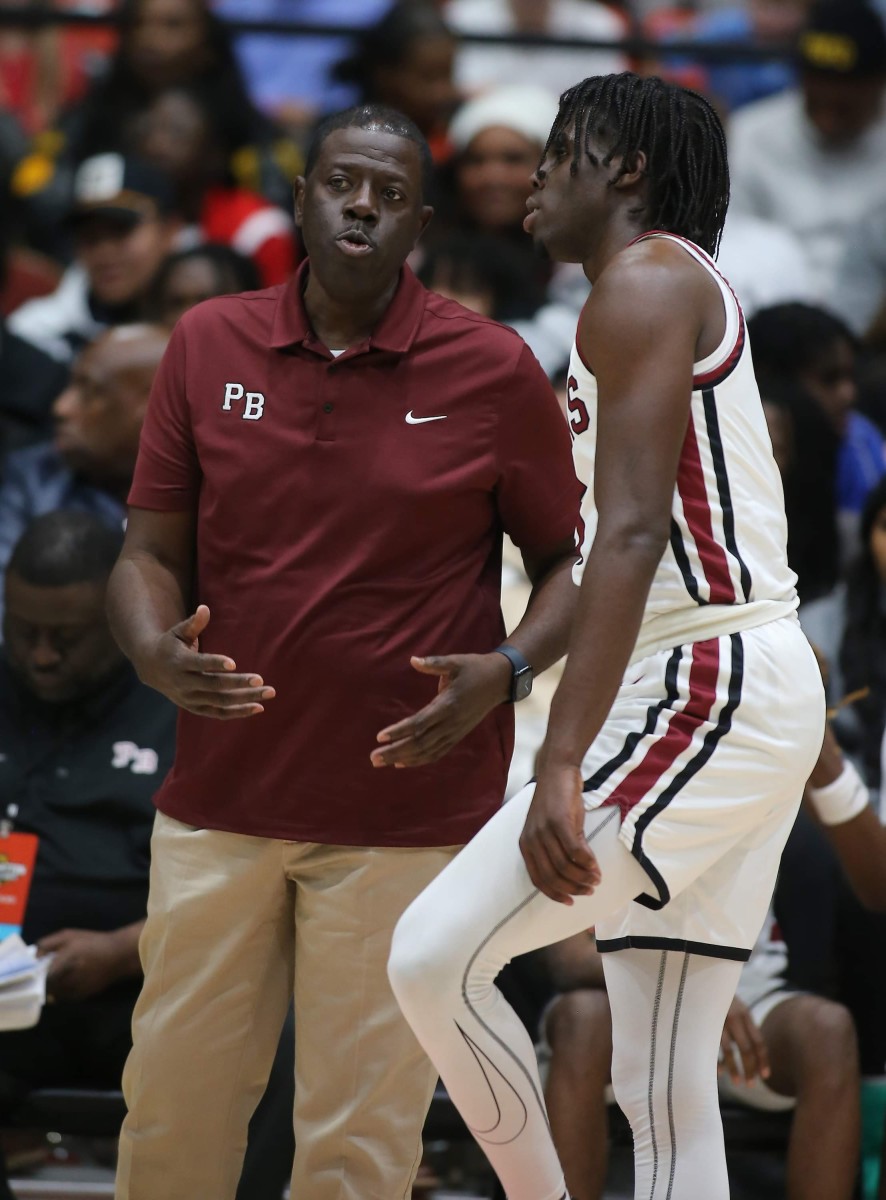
point(411, 420)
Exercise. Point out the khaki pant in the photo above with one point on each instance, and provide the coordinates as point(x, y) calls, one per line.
point(234, 923)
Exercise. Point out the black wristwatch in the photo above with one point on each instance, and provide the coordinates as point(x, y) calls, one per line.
point(521, 679)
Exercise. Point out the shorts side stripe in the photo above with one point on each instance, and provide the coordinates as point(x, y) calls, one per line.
point(703, 673)
point(633, 739)
point(689, 771)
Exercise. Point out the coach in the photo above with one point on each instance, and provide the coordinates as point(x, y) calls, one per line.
point(324, 476)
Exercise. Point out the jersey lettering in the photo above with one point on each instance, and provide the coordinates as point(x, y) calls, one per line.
point(139, 761)
point(255, 406)
point(233, 391)
point(579, 421)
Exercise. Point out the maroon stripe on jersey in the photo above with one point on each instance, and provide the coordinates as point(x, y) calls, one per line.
point(683, 725)
point(697, 512)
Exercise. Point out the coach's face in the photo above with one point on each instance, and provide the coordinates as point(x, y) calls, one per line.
point(360, 210)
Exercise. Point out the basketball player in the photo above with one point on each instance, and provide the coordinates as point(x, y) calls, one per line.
point(691, 709)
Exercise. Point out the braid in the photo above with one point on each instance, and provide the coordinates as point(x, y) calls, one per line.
point(678, 131)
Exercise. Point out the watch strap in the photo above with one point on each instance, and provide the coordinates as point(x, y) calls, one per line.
point(519, 665)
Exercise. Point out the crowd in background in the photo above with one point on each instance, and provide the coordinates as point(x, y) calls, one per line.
point(147, 168)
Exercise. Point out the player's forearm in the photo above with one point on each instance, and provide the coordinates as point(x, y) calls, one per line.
point(860, 845)
point(611, 601)
point(542, 636)
point(145, 599)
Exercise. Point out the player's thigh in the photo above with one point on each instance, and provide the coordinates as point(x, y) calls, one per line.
point(483, 909)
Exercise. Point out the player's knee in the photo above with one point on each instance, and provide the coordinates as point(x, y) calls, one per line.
point(579, 1027)
point(419, 966)
point(827, 1045)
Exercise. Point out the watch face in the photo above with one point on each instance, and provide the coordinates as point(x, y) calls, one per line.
point(522, 684)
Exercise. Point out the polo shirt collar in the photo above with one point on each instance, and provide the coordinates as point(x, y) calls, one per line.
point(395, 332)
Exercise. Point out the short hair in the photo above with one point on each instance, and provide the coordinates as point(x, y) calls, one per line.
point(788, 338)
point(678, 131)
point(380, 118)
point(65, 547)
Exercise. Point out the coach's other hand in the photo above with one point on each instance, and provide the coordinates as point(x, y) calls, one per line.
point(204, 684)
point(469, 687)
point(558, 858)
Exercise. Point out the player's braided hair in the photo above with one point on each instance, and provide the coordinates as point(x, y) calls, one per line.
point(678, 131)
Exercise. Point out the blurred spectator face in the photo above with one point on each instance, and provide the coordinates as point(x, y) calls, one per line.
point(841, 109)
point(57, 639)
point(166, 42)
point(878, 543)
point(174, 134)
point(121, 258)
point(494, 177)
point(781, 434)
point(99, 415)
point(421, 86)
point(190, 282)
point(830, 380)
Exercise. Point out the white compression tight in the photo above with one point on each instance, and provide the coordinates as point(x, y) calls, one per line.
point(668, 1009)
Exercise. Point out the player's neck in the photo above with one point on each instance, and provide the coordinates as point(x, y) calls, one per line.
point(614, 237)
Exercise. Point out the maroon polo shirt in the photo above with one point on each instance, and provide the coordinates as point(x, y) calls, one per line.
point(349, 514)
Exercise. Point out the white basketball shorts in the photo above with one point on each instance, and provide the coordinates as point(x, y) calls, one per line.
point(706, 751)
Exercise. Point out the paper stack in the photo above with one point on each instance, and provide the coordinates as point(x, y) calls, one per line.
point(22, 983)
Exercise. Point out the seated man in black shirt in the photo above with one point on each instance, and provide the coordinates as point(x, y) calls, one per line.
point(83, 748)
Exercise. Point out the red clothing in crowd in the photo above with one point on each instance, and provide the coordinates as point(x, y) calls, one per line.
point(247, 223)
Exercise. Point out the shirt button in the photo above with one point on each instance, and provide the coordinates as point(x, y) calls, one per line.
point(328, 406)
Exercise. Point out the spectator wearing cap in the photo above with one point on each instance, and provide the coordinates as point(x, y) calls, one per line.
point(123, 227)
point(498, 139)
point(88, 465)
point(814, 158)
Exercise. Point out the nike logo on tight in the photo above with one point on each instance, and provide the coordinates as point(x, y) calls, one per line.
point(411, 420)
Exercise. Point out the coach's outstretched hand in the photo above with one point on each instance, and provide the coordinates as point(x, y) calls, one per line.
point(204, 684)
point(558, 858)
point(469, 687)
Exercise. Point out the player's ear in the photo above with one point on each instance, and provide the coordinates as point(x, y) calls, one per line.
point(634, 170)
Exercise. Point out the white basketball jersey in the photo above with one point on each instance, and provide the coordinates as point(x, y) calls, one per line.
point(725, 568)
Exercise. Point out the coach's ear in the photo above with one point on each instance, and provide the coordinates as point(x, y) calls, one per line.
point(634, 170)
point(298, 196)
